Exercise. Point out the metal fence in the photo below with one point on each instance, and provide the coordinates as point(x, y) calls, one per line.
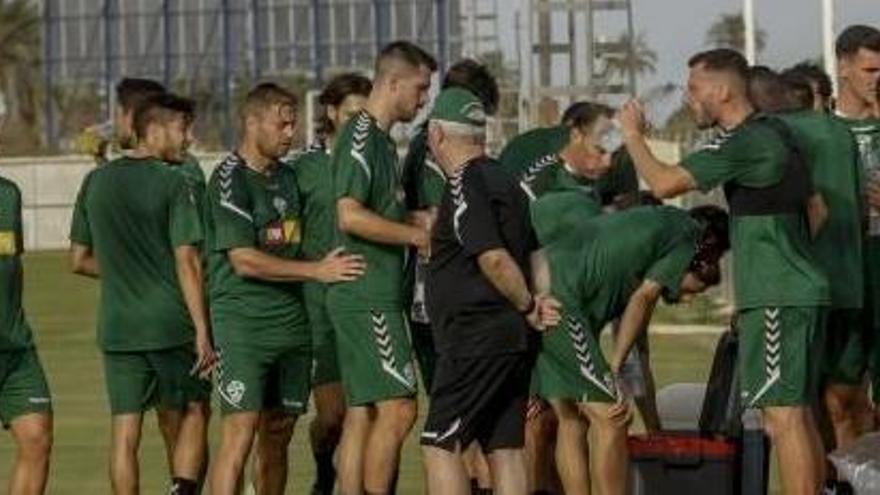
point(213, 49)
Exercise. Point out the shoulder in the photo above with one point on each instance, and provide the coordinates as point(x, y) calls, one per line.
point(229, 171)
point(7, 187)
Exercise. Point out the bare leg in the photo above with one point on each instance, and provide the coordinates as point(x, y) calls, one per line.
point(477, 466)
point(843, 403)
point(271, 460)
point(190, 452)
point(610, 455)
point(355, 431)
point(168, 422)
point(540, 445)
point(126, 439)
point(509, 469)
point(237, 437)
point(572, 448)
point(33, 439)
point(789, 429)
point(325, 432)
point(445, 472)
point(394, 420)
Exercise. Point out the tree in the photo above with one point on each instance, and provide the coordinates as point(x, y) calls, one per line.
point(20, 68)
point(729, 31)
point(640, 58)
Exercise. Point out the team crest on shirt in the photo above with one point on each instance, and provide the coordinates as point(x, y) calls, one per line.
point(234, 392)
point(280, 205)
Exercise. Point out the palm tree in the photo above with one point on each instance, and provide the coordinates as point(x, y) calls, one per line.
point(639, 58)
point(729, 31)
point(20, 64)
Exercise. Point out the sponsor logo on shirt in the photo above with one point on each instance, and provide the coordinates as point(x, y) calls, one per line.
point(7, 243)
point(39, 400)
point(283, 232)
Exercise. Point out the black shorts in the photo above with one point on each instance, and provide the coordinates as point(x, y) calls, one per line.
point(478, 398)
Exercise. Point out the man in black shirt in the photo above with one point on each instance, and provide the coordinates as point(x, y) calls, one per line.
point(481, 306)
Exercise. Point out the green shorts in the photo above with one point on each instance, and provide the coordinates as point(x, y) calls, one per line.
point(325, 364)
point(777, 355)
point(253, 377)
point(570, 364)
point(846, 347)
point(23, 387)
point(138, 381)
point(375, 356)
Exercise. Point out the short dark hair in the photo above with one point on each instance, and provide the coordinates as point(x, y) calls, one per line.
point(161, 108)
point(406, 52)
point(812, 74)
point(264, 96)
point(714, 242)
point(336, 91)
point(475, 77)
point(856, 37)
point(132, 91)
point(767, 90)
point(800, 91)
point(582, 114)
point(722, 60)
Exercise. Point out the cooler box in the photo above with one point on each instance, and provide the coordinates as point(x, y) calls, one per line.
point(682, 464)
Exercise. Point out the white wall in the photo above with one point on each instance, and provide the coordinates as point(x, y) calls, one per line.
point(48, 187)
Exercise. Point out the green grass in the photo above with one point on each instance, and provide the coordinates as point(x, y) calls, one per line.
point(61, 309)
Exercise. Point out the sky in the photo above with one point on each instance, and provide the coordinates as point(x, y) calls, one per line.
point(675, 29)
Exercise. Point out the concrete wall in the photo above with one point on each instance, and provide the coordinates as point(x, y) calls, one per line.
point(48, 187)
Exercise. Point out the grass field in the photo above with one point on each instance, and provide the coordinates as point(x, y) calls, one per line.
point(61, 309)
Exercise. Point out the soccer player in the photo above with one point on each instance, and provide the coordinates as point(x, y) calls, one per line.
point(616, 265)
point(779, 288)
point(858, 73)
point(374, 351)
point(136, 226)
point(25, 402)
point(253, 226)
point(481, 306)
point(830, 151)
point(341, 99)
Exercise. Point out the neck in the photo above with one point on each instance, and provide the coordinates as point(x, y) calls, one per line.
point(253, 157)
point(143, 150)
point(735, 114)
point(851, 106)
point(461, 156)
point(377, 107)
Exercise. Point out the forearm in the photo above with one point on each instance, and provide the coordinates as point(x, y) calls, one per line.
point(634, 321)
point(363, 223)
point(664, 180)
point(251, 263)
point(83, 261)
point(540, 272)
point(817, 213)
point(504, 274)
point(192, 285)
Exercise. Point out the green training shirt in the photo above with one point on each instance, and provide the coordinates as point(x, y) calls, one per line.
point(315, 183)
point(14, 330)
point(133, 213)
point(595, 269)
point(249, 209)
point(832, 155)
point(365, 168)
point(773, 264)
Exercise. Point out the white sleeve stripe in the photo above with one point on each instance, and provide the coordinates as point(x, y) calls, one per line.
point(238, 211)
point(363, 162)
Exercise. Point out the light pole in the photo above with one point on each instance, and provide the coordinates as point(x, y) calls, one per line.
point(749, 24)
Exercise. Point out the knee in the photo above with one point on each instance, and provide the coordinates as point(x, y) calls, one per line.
point(330, 419)
point(779, 420)
point(35, 443)
point(841, 405)
point(399, 414)
point(277, 429)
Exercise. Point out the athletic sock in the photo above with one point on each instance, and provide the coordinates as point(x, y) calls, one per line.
point(326, 473)
point(183, 486)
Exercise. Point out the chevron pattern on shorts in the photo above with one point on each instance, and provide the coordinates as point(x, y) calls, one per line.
point(386, 348)
point(582, 353)
point(772, 351)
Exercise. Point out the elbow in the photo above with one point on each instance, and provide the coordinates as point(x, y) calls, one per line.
point(242, 265)
point(665, 190)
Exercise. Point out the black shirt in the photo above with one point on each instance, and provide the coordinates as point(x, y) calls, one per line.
point(483, 208)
